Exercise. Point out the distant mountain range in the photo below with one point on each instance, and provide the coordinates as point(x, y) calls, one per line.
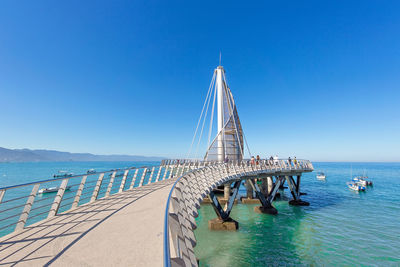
point(28, 155)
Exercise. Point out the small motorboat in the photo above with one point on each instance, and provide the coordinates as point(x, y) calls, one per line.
point(359, 181)
point(355, 186)
point(63, 174)
point(91, 171)
point(362, 180)
point(52, 189)
point(118, 174)
point(321, 176)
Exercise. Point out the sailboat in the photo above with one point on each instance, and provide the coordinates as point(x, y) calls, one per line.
point(354, 184)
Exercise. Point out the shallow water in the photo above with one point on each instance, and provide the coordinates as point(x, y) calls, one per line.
point(340, 227)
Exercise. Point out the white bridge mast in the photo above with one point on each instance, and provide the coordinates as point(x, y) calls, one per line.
point(228, 144)
point(220, 113)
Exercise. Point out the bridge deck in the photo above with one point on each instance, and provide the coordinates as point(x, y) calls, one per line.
point(125, 229)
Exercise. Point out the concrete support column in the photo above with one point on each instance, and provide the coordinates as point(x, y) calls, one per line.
point(249, 189)
point(270, 183)
point(227, 190)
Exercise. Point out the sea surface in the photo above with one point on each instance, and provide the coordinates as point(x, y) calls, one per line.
point(14, 173)
point(340, 227)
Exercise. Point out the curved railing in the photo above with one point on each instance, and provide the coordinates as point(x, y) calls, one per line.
point(189, 190)
point(24, 204)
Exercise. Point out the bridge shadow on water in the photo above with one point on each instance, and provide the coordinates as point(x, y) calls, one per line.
point(44, 242)
point(262, 240)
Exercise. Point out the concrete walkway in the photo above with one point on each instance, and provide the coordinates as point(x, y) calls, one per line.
point(125, 229)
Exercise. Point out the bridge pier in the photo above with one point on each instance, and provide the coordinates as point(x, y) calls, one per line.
point(249, 199)
point(224, 221)
point(227, 191)
point(295, 190)
point(266, 206)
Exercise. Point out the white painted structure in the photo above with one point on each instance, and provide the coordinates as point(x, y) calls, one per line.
point(228, 143)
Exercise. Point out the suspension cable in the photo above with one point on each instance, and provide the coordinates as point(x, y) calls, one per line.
point(212, 118)
point(201, 114)
point(204, 118)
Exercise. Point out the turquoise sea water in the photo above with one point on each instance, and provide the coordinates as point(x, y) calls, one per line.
point(339, 228)
point(18, 173)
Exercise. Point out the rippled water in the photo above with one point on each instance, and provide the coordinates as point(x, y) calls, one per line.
point(340, 227)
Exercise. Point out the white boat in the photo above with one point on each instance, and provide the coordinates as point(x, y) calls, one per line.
point(363, 179)
point(321, 176)
point(355, 186)
point(52, 189)
point(90, 171)
point(360, 181)
point(63, 174)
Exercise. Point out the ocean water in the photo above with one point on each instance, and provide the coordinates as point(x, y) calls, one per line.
point(339, 228)
point(23, 172)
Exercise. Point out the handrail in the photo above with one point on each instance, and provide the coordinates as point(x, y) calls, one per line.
point(167, 258)
point(19, 207)
point(301, 166)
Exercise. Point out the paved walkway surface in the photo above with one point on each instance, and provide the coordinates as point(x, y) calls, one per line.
point(125, 229)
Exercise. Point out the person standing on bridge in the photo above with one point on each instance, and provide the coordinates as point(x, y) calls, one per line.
point(258, 159)
point(295, 161)
point(276, 159)
point(252, 161)
point(290, 161)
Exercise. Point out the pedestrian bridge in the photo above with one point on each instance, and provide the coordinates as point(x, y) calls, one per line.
point(143, 216)
point(136, 216)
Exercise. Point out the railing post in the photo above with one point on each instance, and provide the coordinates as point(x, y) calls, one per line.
point(2, 193)
point(57, 200)
point(97, 187)
point(159, 174)
point(143, 175)
point(151, 175)
point(123, 181)
point(79, 192)
point(165, 172)
point(134, 179)
point(110, 184)
point(172, 172)
point(27, 208)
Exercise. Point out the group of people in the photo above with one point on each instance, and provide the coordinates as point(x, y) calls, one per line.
point(294, 161)
point(273, 160)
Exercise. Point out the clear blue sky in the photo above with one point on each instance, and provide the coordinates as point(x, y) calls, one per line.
point(315, 79)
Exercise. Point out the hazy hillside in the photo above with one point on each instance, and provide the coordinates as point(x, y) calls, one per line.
point(25, 155)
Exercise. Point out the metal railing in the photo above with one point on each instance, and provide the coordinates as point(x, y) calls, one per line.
point(24, 204)
point(190, 189)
